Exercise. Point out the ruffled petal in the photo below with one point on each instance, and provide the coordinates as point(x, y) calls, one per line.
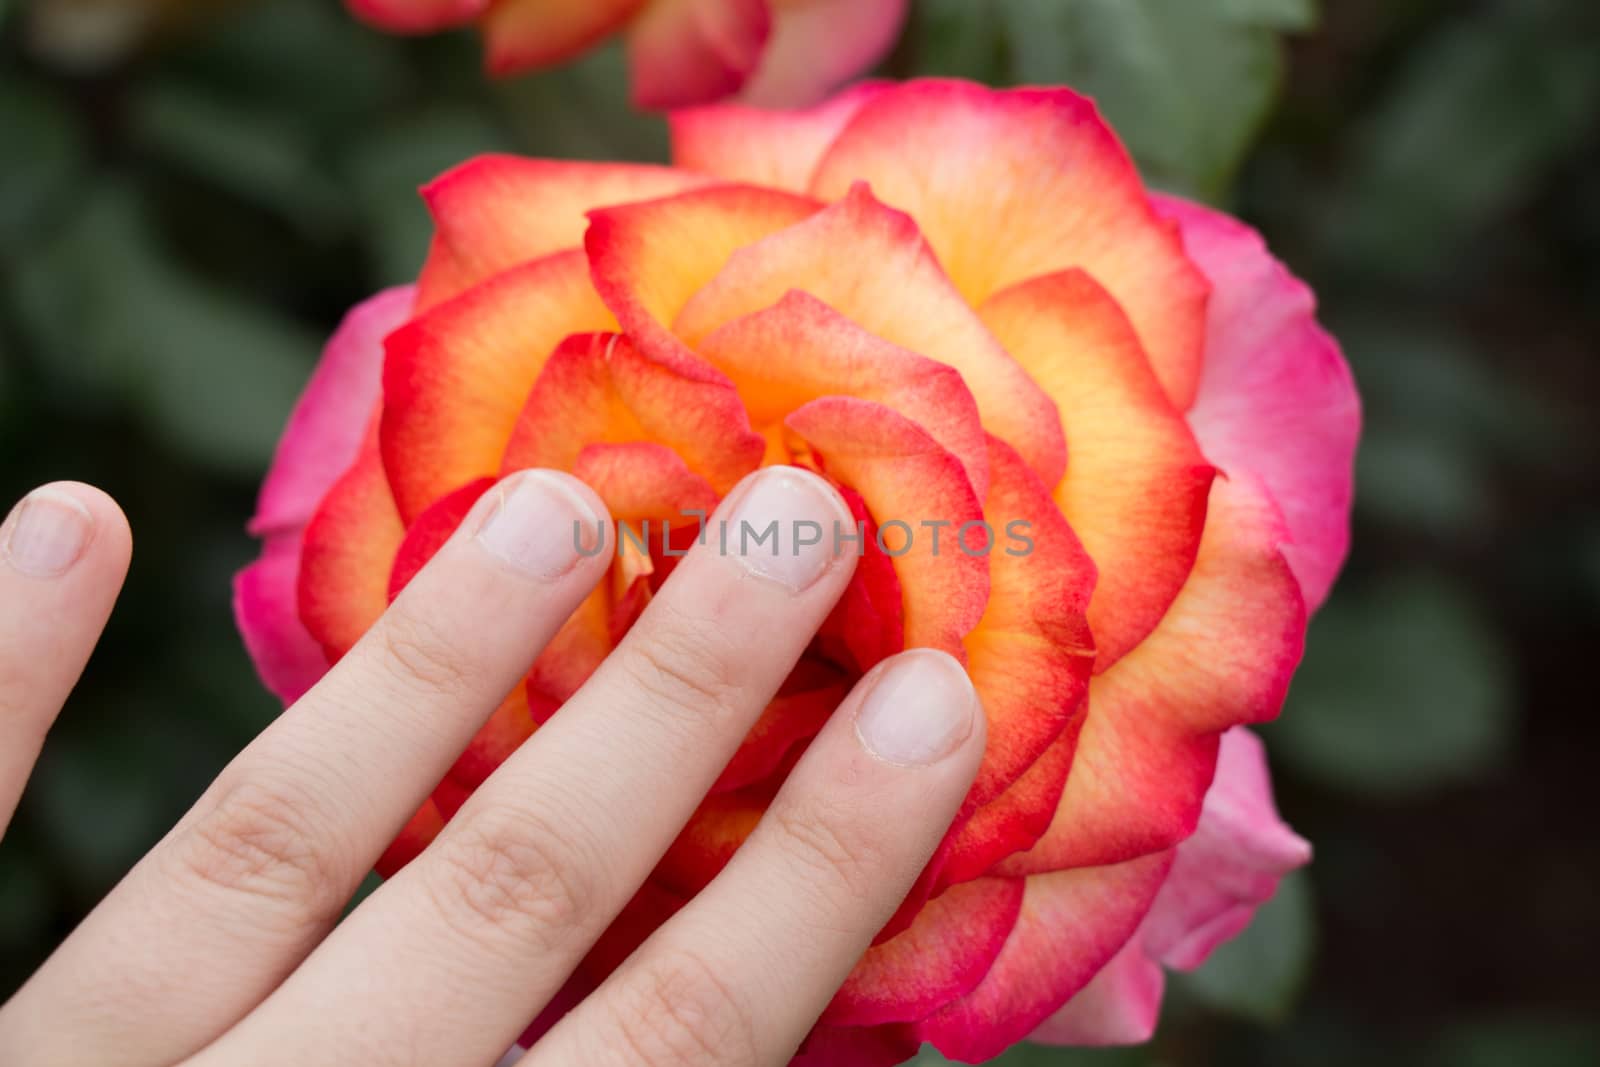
point(891, 285)
point(941, 956)
point(905, 479)
point(1275, 398)
point(776, 149)
point(1232, 864)
point(457, 376)
point(494, 212)
point(1119, 1006)
point(800, 349)
point(683, 52)
point(1071, 924)
point(349, 550)
point(330, 420)
point(1222, 656)
point(967, 163)
point(1030, 653)
point(1136, 489)
point(816, 45)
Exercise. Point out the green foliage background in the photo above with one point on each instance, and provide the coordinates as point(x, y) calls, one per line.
point(183, 220)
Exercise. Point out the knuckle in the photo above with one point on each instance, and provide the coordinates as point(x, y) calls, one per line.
point(679, 1011)
point(419, 652)
point(259, 841)
point(513, 874)
point(836, 845)
point(683, 665)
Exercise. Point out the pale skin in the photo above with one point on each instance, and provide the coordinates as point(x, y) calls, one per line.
point(222, 946)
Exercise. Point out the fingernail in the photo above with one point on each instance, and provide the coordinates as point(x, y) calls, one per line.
point(540, 524)
point(919, 709)
point(781, 527)
point(47, 533)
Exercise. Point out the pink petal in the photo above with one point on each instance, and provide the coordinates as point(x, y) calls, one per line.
point(286, 656)
point(817, 45)
point(1275, 395)
point(321, 440)
point(684, 52)
point(1119, 1007)
point(328, 422)
point(778, 149)
point(1232, 864)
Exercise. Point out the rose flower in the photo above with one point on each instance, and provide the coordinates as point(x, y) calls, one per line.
point(680, 52)
point(961, 306)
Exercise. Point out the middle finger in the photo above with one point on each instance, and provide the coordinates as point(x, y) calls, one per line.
point(477, 934)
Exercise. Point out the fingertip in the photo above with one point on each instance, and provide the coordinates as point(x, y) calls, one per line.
point(919, 708)
point(545, 523)
point(60, 526)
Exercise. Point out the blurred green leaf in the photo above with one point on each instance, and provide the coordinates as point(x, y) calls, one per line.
point(1478, 113)
point(581, 111)
point(1523, 1042)
point(213, 374)
point(250, 153)
point(1415, 480)
point(42, 162)
point(1406, 685)
point(1260, 973)
point(1297, 15)
point(1187, 85)
point(960, 39)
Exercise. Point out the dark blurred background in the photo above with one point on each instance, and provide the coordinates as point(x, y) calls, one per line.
point(191, 194)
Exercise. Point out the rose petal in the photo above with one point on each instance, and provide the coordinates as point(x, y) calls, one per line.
point(496, 211)
point(683, 52)
point(1232, 864)
point(905, 478)
point(457, 376)
point(329, 421)
point(1071, 924)
point(349, 550)
point(941, 956)
point(1275, 398)
point(523, 34)
point(890, 285)
point(818, 44)
point(1136, 489)
point(937, 149)
point(1118, 1007)
point(776, 149)
point(1222, 656)
point(800, 349)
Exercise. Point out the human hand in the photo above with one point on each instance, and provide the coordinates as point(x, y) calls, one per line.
point(221, 946)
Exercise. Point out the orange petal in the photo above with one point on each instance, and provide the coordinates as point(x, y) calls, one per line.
point(350, 546)
point(496, 211)
point(1135, 490)
point(908, 481)
point(1070, 926)
point(648, 259)
point(683, 52)
point(644, 482)
point(457, 376)
point(869, 263)
point(573, 404)
point(1013, 821)
point(801, 349)
point(1030, 654)
point(777, 149)
point(1008, 185)
point(511, 724)
point(940, 957)
point(1222, 656)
